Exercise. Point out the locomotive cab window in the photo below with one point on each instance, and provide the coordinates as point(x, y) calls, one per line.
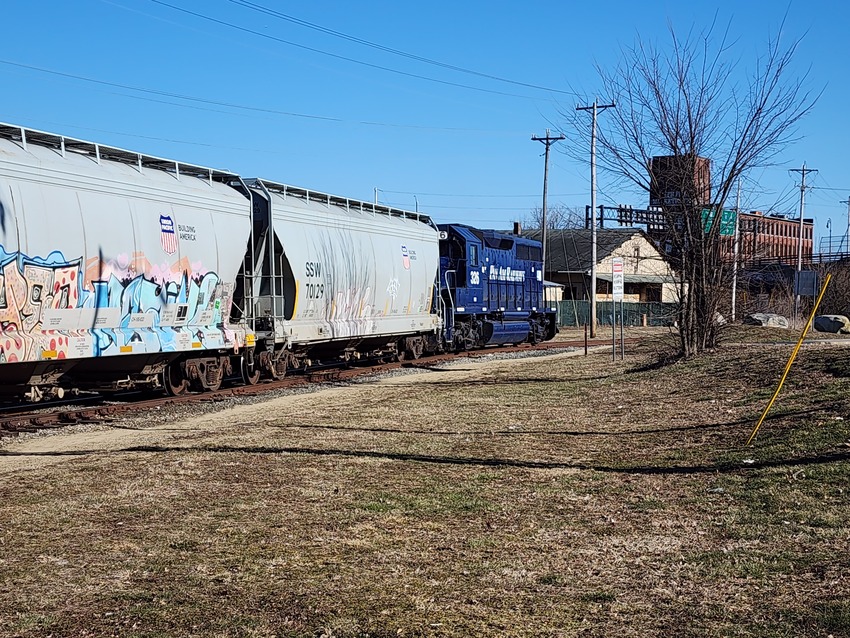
point(473, 255)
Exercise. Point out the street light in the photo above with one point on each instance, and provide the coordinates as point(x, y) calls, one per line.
point(829, 228)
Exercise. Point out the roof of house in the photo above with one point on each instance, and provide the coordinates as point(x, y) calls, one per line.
point(569, 250)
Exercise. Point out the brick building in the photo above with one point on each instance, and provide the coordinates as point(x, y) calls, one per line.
point(771, 239)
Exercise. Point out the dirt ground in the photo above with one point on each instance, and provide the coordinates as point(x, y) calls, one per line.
point(62, 446)
point(554, 496)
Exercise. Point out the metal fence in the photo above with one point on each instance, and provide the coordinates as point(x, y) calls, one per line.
point(573, 313)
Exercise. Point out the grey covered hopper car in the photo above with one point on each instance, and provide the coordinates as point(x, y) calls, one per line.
point(119, 269)
point(344, 278)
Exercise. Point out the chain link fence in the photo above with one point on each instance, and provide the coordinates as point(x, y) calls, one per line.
point(573, 313)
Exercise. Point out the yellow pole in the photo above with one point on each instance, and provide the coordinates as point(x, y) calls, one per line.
point(790, 360)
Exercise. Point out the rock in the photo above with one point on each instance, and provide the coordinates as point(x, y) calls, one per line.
point(832, 323)
point(766, 319)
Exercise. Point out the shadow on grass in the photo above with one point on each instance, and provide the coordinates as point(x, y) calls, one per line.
point(657, 364)
point(749, 421)
point(713, 468)
point(495, 381)
point(516, 432)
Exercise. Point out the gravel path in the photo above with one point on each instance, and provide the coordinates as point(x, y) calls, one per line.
point(176, 423)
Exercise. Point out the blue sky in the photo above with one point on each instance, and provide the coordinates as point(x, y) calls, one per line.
point(228, 86)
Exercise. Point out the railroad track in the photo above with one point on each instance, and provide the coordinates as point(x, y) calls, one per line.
point(104, 409)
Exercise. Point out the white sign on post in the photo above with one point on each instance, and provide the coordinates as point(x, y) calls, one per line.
point(617, 278)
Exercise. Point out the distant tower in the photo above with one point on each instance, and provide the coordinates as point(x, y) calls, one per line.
point(676, 180)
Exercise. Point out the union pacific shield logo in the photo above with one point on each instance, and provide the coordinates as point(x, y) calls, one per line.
point(167, 236)
point(405, 258)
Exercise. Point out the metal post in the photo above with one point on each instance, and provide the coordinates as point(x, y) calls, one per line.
point(585, 340)
point(622, 323)
point(613, 327)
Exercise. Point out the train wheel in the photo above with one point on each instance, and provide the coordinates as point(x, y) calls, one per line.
point(250, 373)
point(174, 381)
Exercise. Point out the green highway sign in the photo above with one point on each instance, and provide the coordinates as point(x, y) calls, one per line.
point(727, 221)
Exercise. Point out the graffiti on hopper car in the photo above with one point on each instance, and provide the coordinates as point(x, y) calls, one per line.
point(54, 307)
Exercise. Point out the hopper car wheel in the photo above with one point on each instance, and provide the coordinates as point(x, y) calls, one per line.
point(174, 381)
point(250, 373)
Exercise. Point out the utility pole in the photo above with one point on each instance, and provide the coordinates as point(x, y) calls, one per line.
point(594, 108)
point(847, 234)
point(803, 171)
point(547, 142)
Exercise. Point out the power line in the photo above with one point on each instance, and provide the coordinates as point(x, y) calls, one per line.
point(424, 205)
point(335, 55)
point(380, 47)
point(232, 105)
point(383, 190)
point(165, 139)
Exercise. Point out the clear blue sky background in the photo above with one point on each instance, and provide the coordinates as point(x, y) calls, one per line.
point(263, 104)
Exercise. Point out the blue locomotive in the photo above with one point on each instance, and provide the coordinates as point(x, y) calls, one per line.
point(492, 286)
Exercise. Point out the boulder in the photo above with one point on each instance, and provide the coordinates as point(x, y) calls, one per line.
point(832, 323)
point(766, 319)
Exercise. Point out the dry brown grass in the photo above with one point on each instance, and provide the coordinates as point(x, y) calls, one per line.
point(556, 497)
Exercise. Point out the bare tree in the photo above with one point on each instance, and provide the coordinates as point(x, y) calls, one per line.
point(684, 105)
point(558, 216)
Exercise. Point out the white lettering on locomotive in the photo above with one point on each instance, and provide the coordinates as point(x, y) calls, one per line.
point(506, 274)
